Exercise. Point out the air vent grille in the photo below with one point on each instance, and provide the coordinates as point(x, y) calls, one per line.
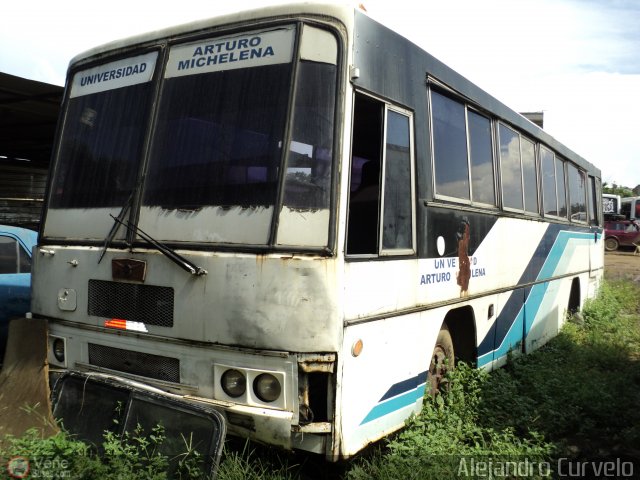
point(136, 363)
point(148, 304)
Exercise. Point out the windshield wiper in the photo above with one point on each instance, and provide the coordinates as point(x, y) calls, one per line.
point(114, 227)
point(174, 256)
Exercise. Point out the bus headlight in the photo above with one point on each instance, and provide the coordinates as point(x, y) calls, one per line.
point(267, 387)
point(58, 349)
point(234, 383)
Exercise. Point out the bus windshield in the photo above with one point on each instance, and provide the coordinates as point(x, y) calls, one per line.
point(100, 152)
point(214, 172)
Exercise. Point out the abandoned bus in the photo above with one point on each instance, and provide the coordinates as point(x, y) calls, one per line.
point(295, 215)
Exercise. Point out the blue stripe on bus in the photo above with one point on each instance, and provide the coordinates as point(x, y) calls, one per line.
point(405, 385)
point(546, 259)
point(540, 268)
point(400, 395)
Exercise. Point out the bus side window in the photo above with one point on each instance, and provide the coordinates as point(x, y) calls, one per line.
point(549, 194)
point(364, 194)
point(577, 193)
point(561, 188)
point(397, 200)
point(511, 168)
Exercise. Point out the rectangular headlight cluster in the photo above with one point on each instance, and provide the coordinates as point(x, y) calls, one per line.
point(248, 386)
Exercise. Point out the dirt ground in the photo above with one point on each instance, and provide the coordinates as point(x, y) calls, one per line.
point(622, 264)
point(24, 380)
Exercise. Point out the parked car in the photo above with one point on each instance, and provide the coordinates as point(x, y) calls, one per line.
point(16, 246)
point(621, 232)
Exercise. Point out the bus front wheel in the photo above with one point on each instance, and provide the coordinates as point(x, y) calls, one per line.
point(442, 360)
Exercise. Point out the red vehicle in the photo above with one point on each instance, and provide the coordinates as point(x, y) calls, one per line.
point(621, 232)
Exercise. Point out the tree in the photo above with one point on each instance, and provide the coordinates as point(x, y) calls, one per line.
point(617, 190)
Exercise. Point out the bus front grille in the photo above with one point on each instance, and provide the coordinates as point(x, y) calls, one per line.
point(135, 363)
point(148, 304)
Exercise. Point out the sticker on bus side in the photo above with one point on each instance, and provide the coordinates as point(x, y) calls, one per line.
point(112, 75)
point(241, 51)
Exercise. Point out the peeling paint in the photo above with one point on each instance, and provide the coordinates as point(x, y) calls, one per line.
point(310, 363)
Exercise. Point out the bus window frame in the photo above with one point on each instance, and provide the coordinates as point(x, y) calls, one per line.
point(520, 211)
point(380, 251)
point(585, 178)
point(494, 169)
point(562, 161)
point(433, 85)
point(536, 166)
point(544, 213)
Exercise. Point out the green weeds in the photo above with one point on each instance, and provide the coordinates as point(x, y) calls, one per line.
point(581, 390)
point(249, 462)
point(135, 456)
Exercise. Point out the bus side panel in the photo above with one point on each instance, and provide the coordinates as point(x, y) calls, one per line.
point(379, 287)
point(547, 306)
point(379, 389)
point(542, 315)
point(385, 384)
point(500, 253)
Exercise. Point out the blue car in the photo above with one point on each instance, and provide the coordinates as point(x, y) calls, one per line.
point(16, 245)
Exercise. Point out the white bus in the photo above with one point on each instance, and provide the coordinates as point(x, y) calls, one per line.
point(295, 215)
point(630, 208)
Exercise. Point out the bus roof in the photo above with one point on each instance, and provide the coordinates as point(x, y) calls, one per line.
point(341, 10)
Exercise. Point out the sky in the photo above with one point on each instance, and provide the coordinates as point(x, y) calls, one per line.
point(578, 61)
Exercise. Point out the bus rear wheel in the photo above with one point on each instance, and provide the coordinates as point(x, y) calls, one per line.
point(442, 361)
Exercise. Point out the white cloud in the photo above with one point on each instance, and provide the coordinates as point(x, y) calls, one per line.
point(598, 117)
point(40, 37)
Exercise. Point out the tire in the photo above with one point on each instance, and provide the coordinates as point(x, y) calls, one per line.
point(574, 298)
point(611, 244)
point(442, 361)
